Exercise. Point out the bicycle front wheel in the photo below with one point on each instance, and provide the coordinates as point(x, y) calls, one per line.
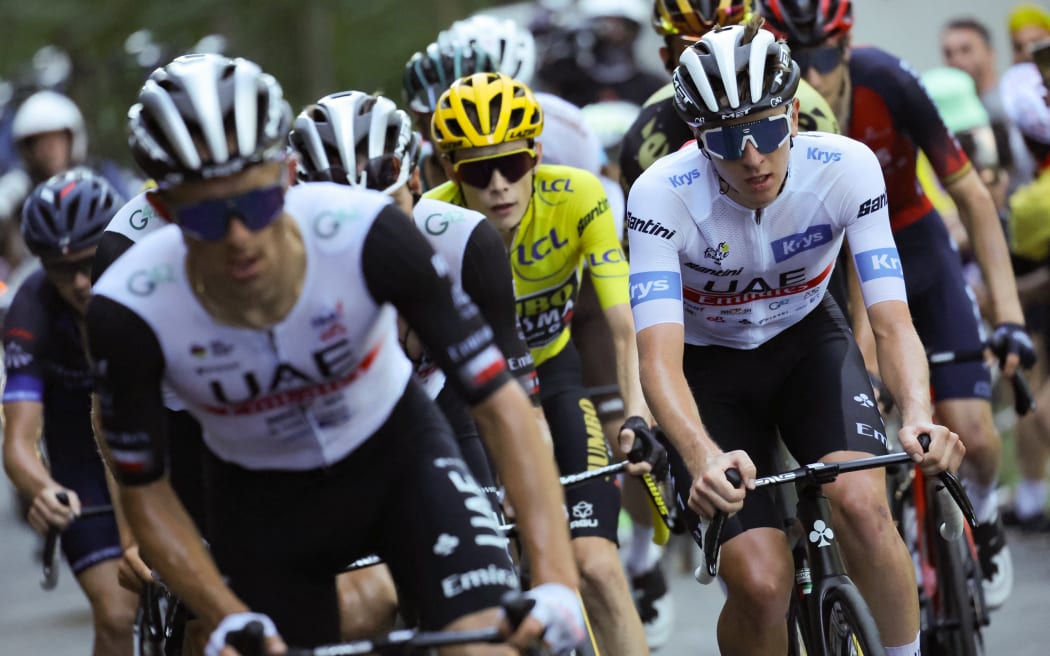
point(958, 602)
point(849, 629)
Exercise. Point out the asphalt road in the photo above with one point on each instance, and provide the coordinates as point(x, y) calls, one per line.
point(58, 622)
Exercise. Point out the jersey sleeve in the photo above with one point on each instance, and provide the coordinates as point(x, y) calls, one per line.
point(865, 210)
point(488, 281)
point(402, 269)
point(655, 270)
point(129, 368)
point(110, 247)
point(25, 325)
point(918, 116)
point(599, 244)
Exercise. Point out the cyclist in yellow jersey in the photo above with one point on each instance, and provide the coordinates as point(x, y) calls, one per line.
point(553, 219)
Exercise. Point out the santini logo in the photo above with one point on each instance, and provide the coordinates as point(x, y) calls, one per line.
point(648, 227)
point(684, 179)
point(823, 156)
point(654, 285)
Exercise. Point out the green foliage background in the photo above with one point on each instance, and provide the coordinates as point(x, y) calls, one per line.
point(313, 47)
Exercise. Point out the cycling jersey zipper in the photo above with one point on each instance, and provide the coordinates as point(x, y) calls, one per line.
point(307, 415)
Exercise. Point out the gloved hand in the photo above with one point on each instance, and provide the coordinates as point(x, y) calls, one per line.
point(232, 624)
point(558, 608)
point(1012, 338)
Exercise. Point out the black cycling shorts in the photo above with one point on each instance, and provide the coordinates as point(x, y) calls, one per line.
point(943, 307)
point(808, 385)
point(75, 463)
point(281, 537)
point(579, 445)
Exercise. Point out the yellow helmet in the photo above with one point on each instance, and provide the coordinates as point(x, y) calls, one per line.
point(697, 17)
point(485, 109)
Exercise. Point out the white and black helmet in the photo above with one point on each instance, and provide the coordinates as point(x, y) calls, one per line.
point(50, 111)
point(330, 135)
point(430, 72)
point(511, 45)
point(732, 72)
point(206, 116)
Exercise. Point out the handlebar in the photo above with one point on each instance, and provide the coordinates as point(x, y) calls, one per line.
point(819, 473)
point(250, 640)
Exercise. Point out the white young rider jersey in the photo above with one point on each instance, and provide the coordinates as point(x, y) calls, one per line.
point(310, 389)
point(448, 228)
point(736, 277)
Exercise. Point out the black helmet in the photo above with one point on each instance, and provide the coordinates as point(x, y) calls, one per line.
point(718, 79)
point(206, 116)
point(68, 212)
point(807, 23)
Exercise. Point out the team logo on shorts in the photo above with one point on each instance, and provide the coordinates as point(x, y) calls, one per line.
point(446, 544)
point(864, 400)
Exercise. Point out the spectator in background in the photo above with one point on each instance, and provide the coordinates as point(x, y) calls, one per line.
point(967, 45)
point(1024, 98)
point(1029, 23)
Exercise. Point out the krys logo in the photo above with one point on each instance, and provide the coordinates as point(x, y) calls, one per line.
point(879, 263)
point(684, 179)
point(792, 245)
point(655, 285)
point(327, 224)
point(145, 281)
point(823, 156)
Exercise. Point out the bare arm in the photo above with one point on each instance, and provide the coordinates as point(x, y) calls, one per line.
point(525, 465)
point(660, 350)
point(22, 423)
point(902, 364)
point(621, 325)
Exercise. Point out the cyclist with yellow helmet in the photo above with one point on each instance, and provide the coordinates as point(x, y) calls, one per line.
point(552, 220)
point(658, 131)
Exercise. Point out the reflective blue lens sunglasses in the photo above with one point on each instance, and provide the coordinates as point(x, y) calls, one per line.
point(209, 220)
point(765, 134)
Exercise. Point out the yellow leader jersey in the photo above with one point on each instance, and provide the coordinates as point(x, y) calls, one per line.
point(566, 226)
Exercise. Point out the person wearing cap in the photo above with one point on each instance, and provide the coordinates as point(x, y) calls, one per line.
point(1029, 23)
point(1025, 98)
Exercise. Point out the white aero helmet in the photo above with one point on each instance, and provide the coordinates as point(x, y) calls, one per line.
point(511, 45)
point(206, 116)
point(732, 72)
point(50, 111)
point(329, 134)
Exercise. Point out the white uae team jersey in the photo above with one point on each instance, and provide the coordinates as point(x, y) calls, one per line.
point(736, 277)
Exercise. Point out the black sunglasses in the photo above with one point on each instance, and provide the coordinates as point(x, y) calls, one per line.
point(66, 271)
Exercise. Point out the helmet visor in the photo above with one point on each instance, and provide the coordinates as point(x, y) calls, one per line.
point(766, 135)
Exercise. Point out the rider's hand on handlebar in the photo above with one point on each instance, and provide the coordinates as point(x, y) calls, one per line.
point(234, 629)
point(1012, 345)
point(644, 452)
point(711, 489)
point(556, 618)
point(48, 511)
point(946, 450)
point(132, 572)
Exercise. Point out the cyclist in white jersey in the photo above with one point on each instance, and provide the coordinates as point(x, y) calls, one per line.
point(732, 244)
point(272, 315)
point(363, 140)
